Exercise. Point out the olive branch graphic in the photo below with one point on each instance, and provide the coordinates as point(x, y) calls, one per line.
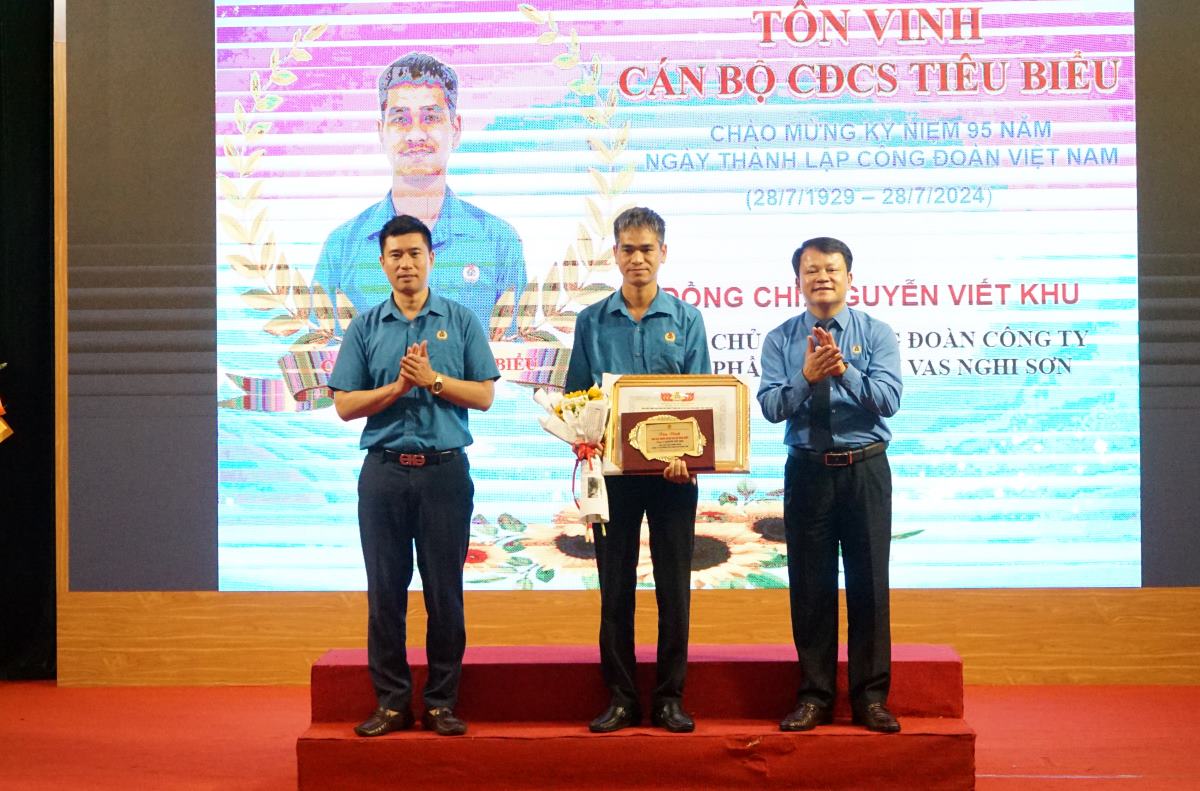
point(300, 309)
point(571, 284)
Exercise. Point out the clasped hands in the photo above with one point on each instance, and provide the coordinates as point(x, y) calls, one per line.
point(824, 358)
point(415, 370)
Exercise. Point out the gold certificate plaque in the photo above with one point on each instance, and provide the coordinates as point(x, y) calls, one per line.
point(666, 437)
point(651, 398)
point(652, 440)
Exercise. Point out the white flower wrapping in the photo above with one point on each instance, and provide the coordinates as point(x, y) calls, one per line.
point(579, 420)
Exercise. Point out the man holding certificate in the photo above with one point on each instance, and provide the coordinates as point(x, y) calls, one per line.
point(641, 329)
point(834, 374)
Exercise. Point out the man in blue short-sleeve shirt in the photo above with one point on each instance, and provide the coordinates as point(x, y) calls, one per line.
point(479, 256)
point(833, 373)
point(641, 329)
point(413, 365)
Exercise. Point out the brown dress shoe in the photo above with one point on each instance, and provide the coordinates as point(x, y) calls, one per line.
point(877, 718)
point(614, 718)
point(443, 722)
point(806, 717)
point(385, 721)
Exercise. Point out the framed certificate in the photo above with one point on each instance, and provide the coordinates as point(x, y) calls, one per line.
point(656, 396)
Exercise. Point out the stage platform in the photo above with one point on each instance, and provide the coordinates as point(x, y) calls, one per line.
point(528, 708)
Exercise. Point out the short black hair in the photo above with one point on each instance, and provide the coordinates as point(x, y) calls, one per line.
point(825, 244)
point(421, 69)
point(640, 217)
point(403, 224)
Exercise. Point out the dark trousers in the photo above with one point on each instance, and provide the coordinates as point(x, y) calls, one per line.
point(429, 508)
point(825, 507)
point(670, 509)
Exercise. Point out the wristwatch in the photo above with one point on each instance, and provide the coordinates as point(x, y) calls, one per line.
point(438, 384)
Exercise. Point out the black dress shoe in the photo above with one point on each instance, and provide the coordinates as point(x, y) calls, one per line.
point(614, 718)
point(443, 722)
point(670, 715)
point(877, 718)
point(806, 717)
point(385, 721)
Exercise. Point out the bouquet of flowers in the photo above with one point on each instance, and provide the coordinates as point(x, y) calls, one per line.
point(578, 419)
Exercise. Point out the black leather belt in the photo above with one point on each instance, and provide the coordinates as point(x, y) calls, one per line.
point(420, 459)
point(840, 457)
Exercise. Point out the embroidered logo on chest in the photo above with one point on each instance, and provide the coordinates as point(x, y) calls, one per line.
point(442, 335)
point(669, 337)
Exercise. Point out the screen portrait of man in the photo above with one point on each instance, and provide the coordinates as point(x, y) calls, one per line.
point(478, 255)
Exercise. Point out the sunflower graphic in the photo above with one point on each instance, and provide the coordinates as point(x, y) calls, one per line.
point(724, 555)
point(569, 549)
point(766, 519)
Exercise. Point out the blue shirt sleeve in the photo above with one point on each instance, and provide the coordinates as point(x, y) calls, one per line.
point(478, 363)
point(780, 395)
point(351, 371)
point(876, 389)
point(579, 369)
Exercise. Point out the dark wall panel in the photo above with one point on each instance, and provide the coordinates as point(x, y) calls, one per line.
point(1169, 277)
point(142, 314)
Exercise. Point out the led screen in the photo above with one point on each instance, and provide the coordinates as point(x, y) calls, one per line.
point(978, 159)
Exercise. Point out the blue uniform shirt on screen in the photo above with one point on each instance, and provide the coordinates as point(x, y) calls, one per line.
point(670, 339)
point(418, 422)
point(859, 399)
point(477, 257)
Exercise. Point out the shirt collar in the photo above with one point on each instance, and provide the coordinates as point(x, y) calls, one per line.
point(616, 304)
point(839, 319)
point(433, 304)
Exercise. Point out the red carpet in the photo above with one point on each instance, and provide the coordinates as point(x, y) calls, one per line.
point(1081, 738)
point(529, 705)
point(149, 737)
point(931, 754)
point(1071, 738)
point(562, 683)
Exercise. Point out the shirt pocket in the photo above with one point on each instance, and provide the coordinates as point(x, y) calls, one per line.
point(861, 361)
point(666, 356)
point(445, 344)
